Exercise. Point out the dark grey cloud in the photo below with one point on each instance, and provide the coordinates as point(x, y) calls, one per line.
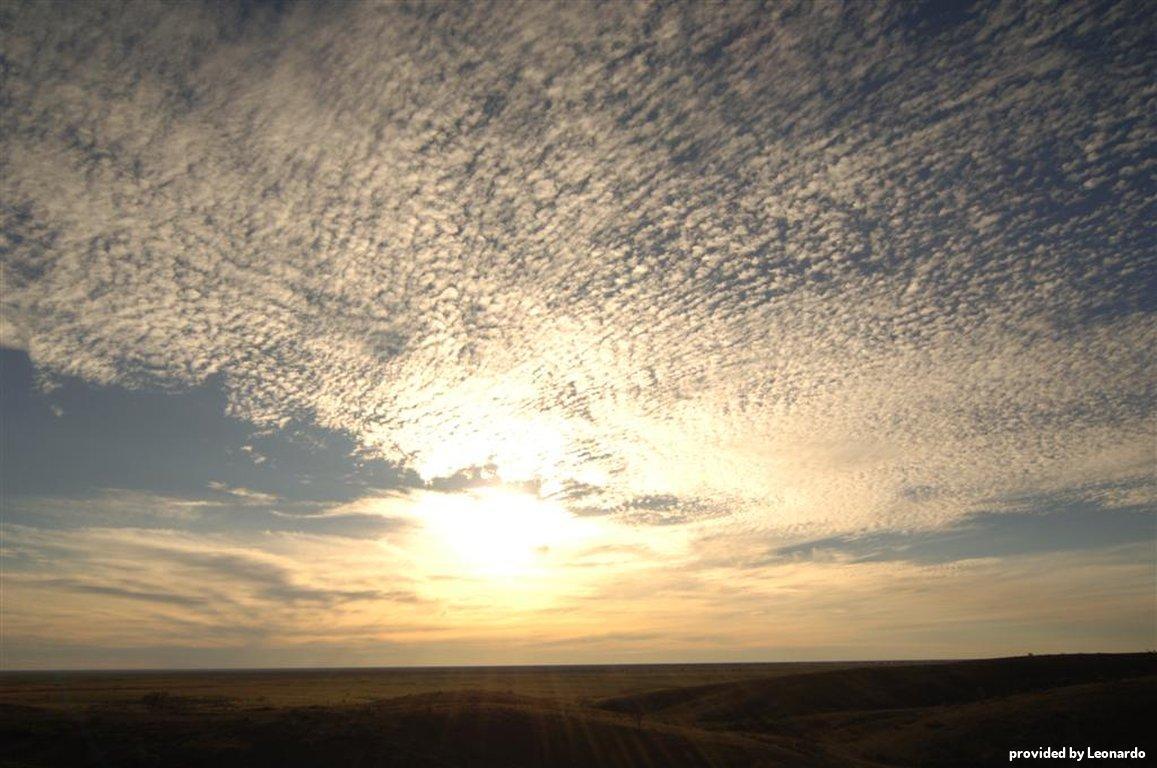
point(76, 585)
point(275, 583)
point(658, 509)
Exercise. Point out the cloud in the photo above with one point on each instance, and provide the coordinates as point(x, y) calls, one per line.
point(74, 585)
point(119, 594)
point(119, 586)
point(1070, 526)
point(244, 495)
point(213, 512)
point(791, 265)
point(275, 582)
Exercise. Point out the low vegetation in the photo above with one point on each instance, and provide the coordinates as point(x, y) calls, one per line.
point(950, 714)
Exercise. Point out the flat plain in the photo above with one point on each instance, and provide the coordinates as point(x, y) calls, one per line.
point(960, 713)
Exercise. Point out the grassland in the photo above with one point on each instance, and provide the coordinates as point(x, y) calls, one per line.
point(896, 714)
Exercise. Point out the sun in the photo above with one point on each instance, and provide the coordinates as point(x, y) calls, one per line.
point(496, 532)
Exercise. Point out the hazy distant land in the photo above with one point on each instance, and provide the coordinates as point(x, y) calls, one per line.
point(794, 714)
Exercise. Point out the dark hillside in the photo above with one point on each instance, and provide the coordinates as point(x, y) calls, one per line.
point(756, 704)
point(922, 714)
point(470, 728)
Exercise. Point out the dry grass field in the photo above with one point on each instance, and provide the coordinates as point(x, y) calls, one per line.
point(895, 714)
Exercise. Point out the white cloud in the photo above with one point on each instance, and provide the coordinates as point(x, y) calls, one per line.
point(796, 265)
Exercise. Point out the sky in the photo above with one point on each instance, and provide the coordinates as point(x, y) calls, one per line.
point(513, 333)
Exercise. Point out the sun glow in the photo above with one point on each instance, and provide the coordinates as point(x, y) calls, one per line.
point(497, 532)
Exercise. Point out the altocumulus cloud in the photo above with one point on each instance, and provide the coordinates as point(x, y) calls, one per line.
point(825, 266)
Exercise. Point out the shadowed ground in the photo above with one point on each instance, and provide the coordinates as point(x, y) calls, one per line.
point(944, 713)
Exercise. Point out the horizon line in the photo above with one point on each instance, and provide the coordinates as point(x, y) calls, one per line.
point(557, 665)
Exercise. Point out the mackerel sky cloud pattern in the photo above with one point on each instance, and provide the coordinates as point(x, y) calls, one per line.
point(816, 267)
